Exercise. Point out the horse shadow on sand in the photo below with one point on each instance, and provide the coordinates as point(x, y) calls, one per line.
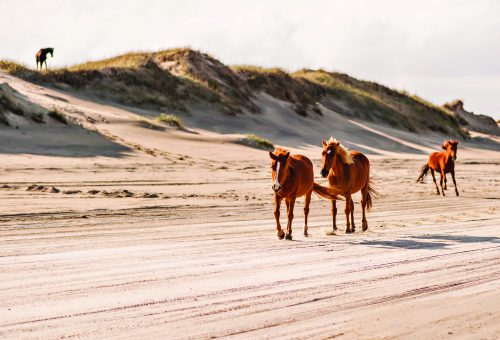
point(429, 241)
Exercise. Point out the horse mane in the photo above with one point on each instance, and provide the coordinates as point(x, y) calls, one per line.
point(344, 154)
point(448, 141)
point(281, 152)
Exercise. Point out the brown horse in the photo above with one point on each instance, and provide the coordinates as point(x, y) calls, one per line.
point(442, 162)
point(293, 177)
point(41, 56)
point(348, 172)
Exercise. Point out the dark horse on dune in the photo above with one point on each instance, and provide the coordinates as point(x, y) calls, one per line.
point(348, 172)
point(41, 56)
point(442, 162)
point(293, 177)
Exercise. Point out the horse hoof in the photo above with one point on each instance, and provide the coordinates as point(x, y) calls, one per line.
point(281, 236)
point(288, 237)
point(365, 226)
point(457, 193)
point(348, 231)
point(306, 234)
point(330, 232)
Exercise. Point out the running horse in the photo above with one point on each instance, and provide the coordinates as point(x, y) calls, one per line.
point(293, 177)
point(442, 162)
point(348, 172)
point(41, 56)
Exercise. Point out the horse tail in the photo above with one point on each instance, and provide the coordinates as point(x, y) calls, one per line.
point(330, 193)
point(423, 172)
point(370, 191)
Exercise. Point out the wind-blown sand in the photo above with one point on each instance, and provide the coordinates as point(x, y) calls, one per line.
point(170, 234)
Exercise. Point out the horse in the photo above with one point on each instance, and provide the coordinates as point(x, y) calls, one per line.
point(41, 56)
point(293, 177)
point(442, 162)
point(348, 172)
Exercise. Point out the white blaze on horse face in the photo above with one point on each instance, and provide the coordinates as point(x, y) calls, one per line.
point(276, 183)
point(329, 151)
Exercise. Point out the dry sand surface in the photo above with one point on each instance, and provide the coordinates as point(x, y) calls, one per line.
point(170, 234)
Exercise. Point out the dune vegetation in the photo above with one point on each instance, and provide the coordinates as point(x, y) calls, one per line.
point(171, 120)
point(258, 142)
point(173, 80)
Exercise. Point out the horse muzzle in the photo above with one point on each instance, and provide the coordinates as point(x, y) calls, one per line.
point(276, 188)
point(324, 172)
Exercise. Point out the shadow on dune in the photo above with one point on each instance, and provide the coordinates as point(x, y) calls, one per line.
point(31, 129)
point(71, 141)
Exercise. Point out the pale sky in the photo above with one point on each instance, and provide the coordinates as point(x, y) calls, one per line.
point(440, 50)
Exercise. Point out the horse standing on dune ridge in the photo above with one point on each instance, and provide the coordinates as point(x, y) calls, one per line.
point(348, 172)
point(41, 56)
point(442, 162)
point(293, 177)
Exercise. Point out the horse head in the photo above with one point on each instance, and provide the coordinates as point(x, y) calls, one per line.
point(280, 167)
point(451, 146)
point(330, 149)
point(51, 51)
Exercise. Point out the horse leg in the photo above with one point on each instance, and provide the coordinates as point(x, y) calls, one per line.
point(277, 204)
point(353, 227)
point(364, 195)
point(306, 211)
point(434, 180)
point(347, 213)
point(290, 218)
point(454, 182)
point(445, 186)
point(334, 215)
point(441, 175)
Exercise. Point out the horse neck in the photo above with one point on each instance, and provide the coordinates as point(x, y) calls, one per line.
point(337, 166)
point(447, 156)
point(288, 171)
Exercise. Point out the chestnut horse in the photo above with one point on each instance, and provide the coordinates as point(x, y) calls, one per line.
point(293, 177)
point(41, 56)
point(347, 172)
point(442, 162)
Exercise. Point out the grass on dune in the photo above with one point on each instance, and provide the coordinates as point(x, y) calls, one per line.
point(58, 116)
point(259, 142)
point(171, 120)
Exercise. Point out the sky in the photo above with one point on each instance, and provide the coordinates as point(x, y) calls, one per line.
point(439, 50)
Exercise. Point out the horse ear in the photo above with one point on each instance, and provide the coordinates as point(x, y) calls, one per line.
point(324, 143)
point(445, 145)
point(287, 154)
point(272, 155)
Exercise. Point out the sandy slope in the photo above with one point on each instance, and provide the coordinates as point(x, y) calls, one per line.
point(201, 259)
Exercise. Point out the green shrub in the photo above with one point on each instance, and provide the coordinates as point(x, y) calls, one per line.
point(37, 117)
point(57, 115)
point(171, 120)
point(262, 143)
